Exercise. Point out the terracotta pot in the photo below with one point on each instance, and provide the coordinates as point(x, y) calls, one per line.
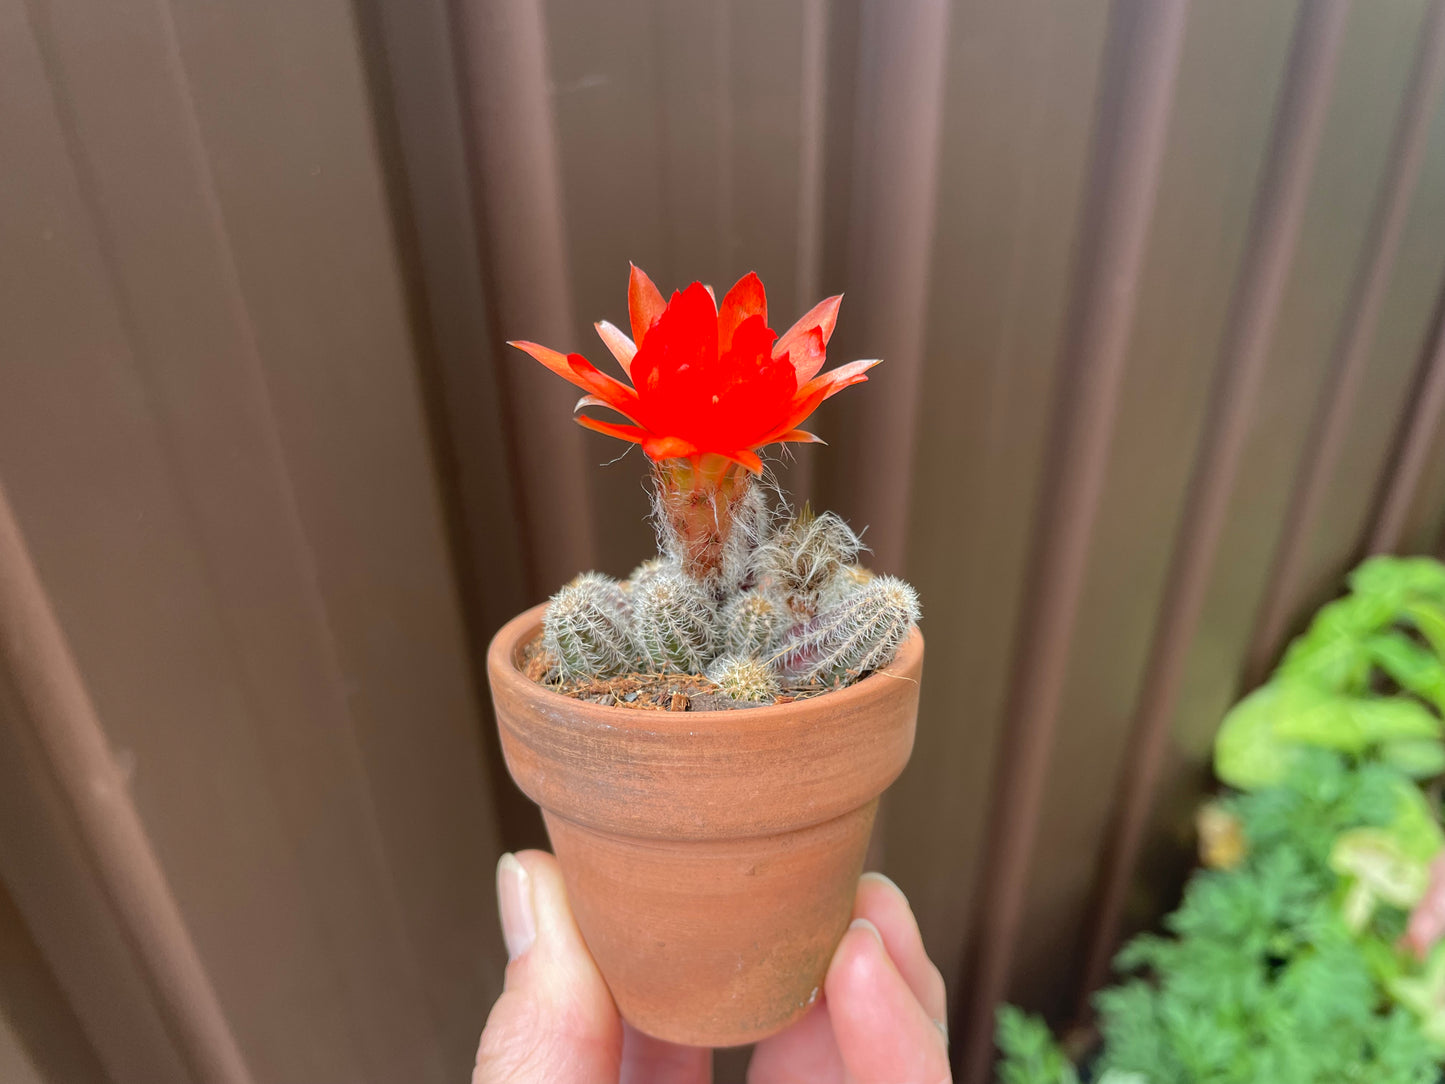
point(711, 857)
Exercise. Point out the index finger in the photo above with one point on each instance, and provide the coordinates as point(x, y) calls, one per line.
point(882, 903)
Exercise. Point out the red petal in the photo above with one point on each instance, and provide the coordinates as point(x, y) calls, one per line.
point(801, 407)
point(668, 447)
point(745, 299)
point(806, 354)
point(823, 316)
point(619, 396)
point(553, 359)
point(623, 348)
point(799, 436)
point(811, 395)
point(612, 429)
point(644, 303)
point(592, 400)
point(746, 458)
point(835, 380)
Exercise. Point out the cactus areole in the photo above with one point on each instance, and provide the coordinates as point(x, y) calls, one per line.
point(712, 854)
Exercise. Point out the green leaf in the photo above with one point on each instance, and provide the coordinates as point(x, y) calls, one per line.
point(1247, 752)
point(1429, 620)
point(1394, 579)
point(1390, 718)
point(1414, 668)
point(1030, 1055)
point(1419, 758)
point(1375, 858)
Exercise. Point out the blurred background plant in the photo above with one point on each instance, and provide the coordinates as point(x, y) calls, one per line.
point(1309, 949)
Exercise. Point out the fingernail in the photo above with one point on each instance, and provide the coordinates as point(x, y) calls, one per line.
point(864, 924)
point(514, 901)
point(883, 878)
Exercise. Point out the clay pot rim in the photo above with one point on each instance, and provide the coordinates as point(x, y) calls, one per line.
point(504, 665)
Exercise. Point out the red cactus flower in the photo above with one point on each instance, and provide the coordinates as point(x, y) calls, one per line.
point(708, 379)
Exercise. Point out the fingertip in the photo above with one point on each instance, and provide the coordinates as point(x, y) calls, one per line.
point(883, 903)
point(882, 1031)
point(859, 963)
point(559, 967)
point(867, 927)
point(556, 1011)
point(874, 876)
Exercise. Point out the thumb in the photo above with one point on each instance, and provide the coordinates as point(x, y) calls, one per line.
point(555, 1022)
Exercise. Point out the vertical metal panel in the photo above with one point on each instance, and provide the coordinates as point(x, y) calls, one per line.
point(1357, 329)
point(212, 434)
point(223, 478)
point(417, 87)
point(1008, 215)
point(1276, 218)
point(894, 188)
point(1133, 124)
point(518, 190)
point(44, 1035)
point(1417, 436)
point(52, 693)
point(15, 1063)
point(812, 124)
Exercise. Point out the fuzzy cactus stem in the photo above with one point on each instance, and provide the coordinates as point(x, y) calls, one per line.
point(697, 500)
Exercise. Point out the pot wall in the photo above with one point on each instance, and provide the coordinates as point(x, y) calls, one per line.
point(711, 857)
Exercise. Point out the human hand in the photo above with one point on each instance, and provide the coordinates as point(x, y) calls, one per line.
point(879, 1019)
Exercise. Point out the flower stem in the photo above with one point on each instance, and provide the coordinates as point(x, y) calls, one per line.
point(696, 500)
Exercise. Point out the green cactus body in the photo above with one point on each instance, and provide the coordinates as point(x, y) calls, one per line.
point(743, 677)
point(752, 623)
point(645, 572)
point(674, 622)
point(806, 558)
point(587, 628)
point(860, 631)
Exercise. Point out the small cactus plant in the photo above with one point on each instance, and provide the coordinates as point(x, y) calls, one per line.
point(805, 558)
point(588, 628)
point(759, 609)
point(745, 678)
point(752, 622)
point(674, 621)
point(861, 631)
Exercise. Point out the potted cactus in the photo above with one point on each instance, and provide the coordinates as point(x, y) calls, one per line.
point(708, 738)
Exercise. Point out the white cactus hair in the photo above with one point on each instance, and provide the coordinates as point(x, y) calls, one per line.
point(805, 558)
point(752, 621)
point(745, 678)
point(587, 628)
point(861, 632)
point(783, 607)
point(753, 515)
point(674, 621)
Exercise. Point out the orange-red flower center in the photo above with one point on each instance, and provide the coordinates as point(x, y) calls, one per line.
point(718, 398)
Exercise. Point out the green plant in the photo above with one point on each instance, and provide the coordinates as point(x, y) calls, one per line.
point(1291, 963)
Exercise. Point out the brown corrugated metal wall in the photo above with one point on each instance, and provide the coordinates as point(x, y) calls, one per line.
point(1160, 286)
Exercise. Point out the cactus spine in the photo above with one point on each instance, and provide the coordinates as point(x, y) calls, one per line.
point(861, 631)
point(674, 619)
point(755, 609)
point(752, 623)
point(587, 628)
point(806, 558)
point(745, 678)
